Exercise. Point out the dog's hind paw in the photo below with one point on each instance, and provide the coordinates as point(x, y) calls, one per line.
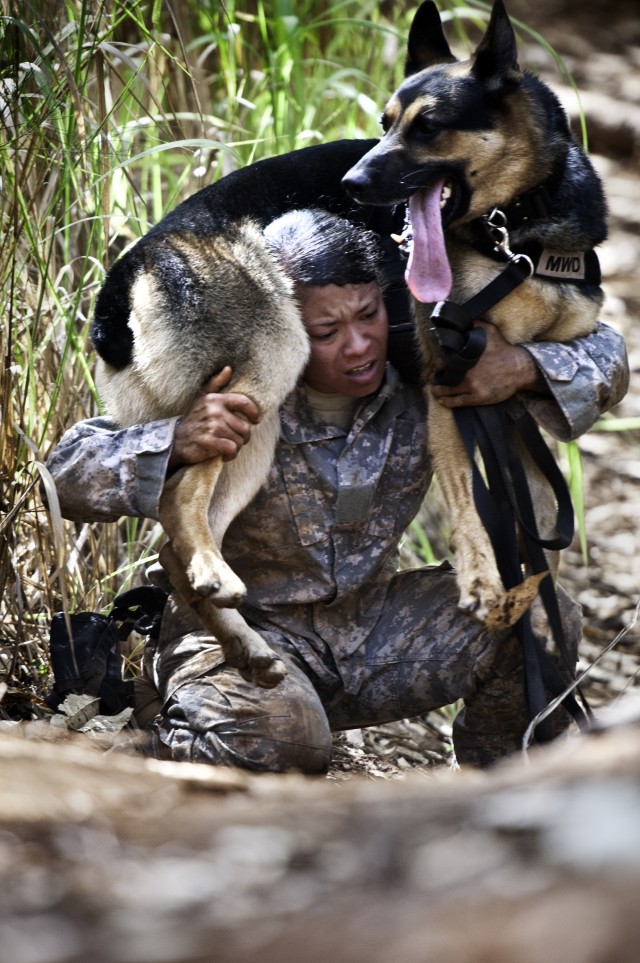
point(255, 661)
point(513, 604)
point(266, 676)
point(500, 609)
point(212, 579)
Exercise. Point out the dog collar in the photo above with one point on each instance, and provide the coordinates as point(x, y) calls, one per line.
point(575, 267)
point(537, 203)
point(531, 206)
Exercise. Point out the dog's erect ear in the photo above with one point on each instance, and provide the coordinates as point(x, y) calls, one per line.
point(427, 45)
point(495, 62)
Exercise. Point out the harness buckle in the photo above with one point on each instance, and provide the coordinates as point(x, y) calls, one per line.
point(525, 259)
point(496, 223)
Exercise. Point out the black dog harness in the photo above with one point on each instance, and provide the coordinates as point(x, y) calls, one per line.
point(502, 495)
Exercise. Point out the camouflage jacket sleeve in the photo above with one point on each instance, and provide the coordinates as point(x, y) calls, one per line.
point(586, 377)
point(102, 473)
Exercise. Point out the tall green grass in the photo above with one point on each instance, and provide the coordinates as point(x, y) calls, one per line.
point(111, 112)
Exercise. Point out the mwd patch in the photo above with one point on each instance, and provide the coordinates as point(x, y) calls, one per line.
point(569, 266)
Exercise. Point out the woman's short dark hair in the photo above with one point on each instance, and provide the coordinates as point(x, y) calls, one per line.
point(315, 247)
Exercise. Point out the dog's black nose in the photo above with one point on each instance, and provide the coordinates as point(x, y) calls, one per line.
point(356, 182)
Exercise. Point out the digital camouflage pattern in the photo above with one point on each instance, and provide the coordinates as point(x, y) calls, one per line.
point(422, 653)
point(318, 551)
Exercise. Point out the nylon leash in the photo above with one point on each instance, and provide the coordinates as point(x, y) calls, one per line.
point(505, 506)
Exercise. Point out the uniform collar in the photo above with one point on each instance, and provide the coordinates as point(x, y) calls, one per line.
point(299, 425)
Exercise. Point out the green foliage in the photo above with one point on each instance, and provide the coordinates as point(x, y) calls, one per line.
point(423, 544)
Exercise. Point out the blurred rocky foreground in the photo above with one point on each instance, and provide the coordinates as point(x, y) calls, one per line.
point(112, 859)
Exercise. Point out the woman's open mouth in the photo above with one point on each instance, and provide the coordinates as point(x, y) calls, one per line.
point(363, 372)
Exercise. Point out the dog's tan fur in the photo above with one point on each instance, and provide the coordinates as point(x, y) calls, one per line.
point(240, 292)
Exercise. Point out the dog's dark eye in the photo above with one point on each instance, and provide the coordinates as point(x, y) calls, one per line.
point(385, 123)
point(422, 128)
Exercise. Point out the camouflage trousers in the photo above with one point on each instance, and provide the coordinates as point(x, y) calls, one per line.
point(423, 653)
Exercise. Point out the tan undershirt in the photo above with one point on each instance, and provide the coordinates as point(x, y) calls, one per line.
point(332, 409)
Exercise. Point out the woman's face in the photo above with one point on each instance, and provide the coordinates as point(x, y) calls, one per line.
point(348, 331)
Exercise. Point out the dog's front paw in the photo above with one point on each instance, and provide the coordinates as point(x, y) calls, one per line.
point(480, 588)
point(479, 584)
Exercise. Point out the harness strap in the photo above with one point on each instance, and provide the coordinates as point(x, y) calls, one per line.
point(461, 344)
point(534, 544)
point(516, 271)
point(494, 508)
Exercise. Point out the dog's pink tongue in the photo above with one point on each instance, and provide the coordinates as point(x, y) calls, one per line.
point(428, 274)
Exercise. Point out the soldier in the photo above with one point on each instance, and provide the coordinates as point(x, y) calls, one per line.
point(317, 548)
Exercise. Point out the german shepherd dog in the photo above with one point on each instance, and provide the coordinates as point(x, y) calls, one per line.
point(200, 291)
point(471, 145)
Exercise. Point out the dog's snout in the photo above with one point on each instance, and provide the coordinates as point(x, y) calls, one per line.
point(356, 182)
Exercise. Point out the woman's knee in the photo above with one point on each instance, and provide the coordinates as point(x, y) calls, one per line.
point(223, 720)
point(210, 714)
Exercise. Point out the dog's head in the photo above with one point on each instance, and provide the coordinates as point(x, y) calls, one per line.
point(449, 121)
point(457, 137)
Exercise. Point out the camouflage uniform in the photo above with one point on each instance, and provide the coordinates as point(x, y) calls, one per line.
point(317, 549)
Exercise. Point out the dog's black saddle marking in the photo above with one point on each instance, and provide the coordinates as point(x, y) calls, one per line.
point(309, 177)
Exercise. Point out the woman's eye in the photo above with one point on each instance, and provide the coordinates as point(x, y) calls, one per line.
point(371, 313)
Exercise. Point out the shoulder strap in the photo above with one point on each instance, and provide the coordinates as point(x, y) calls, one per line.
point(140, 609)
